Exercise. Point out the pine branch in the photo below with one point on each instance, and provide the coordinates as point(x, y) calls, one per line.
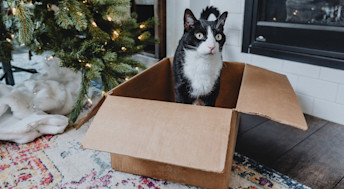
point(95, 66)
point(6, 51)
point(133, 63)
point(5, 46)
point(117, 13)
point(110, 56)
point(26, 26)
point(111, 2)
point(109, 82)
point(62, 15)
point(78, 105)
point(77, 15)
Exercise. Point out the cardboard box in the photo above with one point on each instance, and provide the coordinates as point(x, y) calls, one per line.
point(148, 134)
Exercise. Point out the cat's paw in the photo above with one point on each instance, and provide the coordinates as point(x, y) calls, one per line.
point(198, 102)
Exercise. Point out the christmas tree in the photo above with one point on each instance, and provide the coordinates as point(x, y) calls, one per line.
point(5, 42)
point(96, 37)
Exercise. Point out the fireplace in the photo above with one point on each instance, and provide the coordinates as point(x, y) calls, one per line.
point(308, 31)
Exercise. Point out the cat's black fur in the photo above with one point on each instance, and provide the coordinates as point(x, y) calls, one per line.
point(182, 85)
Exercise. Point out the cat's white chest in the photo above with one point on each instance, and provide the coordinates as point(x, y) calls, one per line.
point(202, 71)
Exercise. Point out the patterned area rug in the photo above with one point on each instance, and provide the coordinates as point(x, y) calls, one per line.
point(59, 162)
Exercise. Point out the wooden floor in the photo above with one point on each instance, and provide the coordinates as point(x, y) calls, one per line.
point(314, 157)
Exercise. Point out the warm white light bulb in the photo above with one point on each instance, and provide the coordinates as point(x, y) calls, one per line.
point(89, 101)
point(14, 10)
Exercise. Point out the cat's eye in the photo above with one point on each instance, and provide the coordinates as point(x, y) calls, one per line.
point(199, 36)
point(218, 37)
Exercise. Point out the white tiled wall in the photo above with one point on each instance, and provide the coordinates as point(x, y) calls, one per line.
point(320, 90)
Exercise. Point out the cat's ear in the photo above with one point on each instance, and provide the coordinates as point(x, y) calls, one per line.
point(189, 19)
point(220, 22)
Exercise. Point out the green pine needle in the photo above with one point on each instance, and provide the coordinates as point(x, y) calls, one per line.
point(62, 16)
point(25, 23)
point(77, 107)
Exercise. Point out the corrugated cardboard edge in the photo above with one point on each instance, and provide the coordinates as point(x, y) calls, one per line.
point(180, 174)
point(96, 107)
point(91, 113)
point(272, 119)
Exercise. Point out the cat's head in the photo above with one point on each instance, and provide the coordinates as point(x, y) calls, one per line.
point(205, 37)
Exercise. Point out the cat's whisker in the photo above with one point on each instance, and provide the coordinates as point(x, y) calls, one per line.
point(190, 47)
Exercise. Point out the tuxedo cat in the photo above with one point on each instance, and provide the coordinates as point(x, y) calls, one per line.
point(197, 61)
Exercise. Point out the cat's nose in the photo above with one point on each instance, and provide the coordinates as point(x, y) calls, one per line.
point(212, 48)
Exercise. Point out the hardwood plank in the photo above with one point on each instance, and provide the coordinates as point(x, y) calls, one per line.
point(319, 160)
point(248, 122)
point(268, 141)
point(340, 185)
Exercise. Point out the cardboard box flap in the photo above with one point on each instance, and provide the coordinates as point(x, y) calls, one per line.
point(177, 134)
point(269, 94)
point(154, 83)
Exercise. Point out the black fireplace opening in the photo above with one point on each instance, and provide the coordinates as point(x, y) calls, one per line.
point(308, 31)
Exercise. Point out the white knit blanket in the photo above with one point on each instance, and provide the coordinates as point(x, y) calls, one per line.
point(37, 106)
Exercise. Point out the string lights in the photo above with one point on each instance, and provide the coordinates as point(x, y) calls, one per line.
point(89, 101)
point(295, 12)
point(115, 34)
point(94, 24)
point(124, 48)
point(14, 11)
point(142, 26)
